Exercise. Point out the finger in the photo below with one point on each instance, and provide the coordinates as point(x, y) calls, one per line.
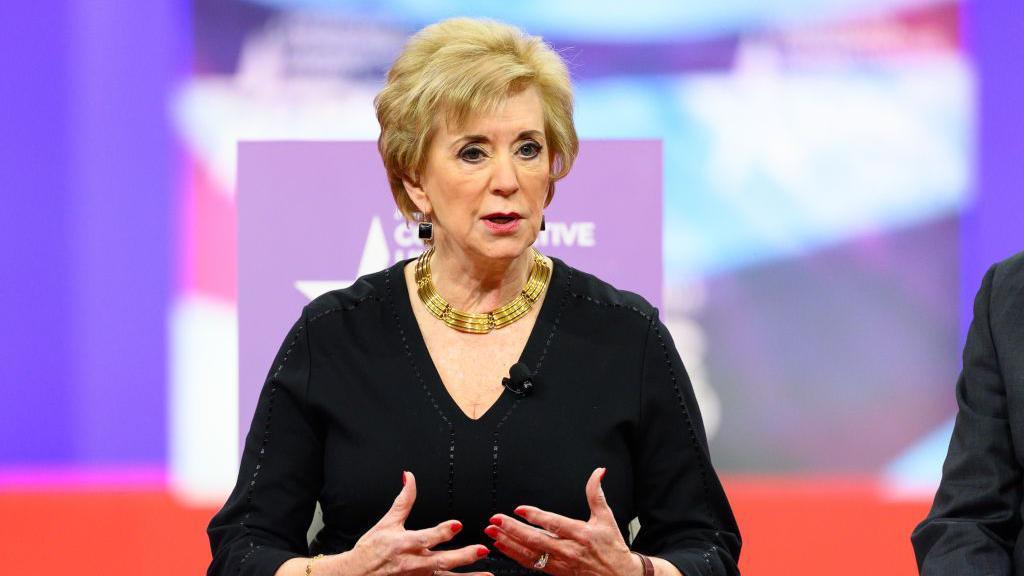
point(599, 508)
point(528, 557)
point(532, 537)
point(515, 550)
point(429, 537)
point(556, 524)
point(402, 505)
point(448, 559)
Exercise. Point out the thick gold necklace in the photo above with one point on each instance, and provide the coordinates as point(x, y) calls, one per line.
point(540, 275)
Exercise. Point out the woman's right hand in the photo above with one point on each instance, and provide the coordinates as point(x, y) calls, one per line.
point(388, 548)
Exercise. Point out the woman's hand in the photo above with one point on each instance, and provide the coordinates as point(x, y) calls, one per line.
point(388, 548)
point(574, 547)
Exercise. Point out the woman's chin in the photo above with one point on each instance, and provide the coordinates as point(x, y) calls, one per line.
point(504, 248)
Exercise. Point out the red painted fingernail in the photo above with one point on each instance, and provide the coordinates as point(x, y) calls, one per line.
point(491, 531)
point(601, 477)
point(482, 551)
point(456, 527)
point(403, 477)
point(496, 520)
point(520, 510)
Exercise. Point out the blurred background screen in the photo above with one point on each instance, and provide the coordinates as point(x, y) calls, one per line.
point(838, 174)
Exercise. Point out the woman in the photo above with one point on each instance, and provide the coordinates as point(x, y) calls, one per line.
point(402, 373)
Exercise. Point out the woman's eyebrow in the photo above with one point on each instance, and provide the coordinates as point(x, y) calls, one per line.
point(471, 138)
point(481, 138)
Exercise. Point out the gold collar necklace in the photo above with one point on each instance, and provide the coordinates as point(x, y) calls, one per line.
point(540, 275)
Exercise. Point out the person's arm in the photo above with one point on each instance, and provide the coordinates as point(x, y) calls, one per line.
point(686, 522)
point(335, 565)
point(975, 518)
point(263, 524)
point(261, 530)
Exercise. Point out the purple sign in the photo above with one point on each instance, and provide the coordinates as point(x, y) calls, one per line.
point(314, 216)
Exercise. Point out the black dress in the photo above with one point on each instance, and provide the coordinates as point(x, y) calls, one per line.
point(353, 398)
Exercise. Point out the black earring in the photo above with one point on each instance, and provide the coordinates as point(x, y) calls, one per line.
point(543, 225)
point(426, 231)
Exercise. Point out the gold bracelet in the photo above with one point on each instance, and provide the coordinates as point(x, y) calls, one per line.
point(309, 564)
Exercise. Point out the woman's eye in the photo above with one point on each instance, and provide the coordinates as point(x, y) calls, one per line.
point(472, 154)
point(529, 150)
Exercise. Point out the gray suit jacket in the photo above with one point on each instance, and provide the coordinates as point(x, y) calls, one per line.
point(974, 526)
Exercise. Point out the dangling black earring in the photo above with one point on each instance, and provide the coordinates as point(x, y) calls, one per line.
point(543, 225)
point(426, 231)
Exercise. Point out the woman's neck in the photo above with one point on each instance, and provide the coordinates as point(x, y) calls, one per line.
point(477, 284)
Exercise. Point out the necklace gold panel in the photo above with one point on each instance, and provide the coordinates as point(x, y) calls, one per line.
point(477, 323)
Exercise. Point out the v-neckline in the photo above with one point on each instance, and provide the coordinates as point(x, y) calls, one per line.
point(542, 327)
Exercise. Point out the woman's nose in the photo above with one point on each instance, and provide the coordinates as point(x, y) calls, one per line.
point(504, 179)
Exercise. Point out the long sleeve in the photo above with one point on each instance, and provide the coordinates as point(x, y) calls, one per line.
point(684, 515)
point(975, 518)
point(265, 519)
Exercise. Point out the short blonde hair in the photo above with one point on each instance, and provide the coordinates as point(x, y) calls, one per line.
point(461, 67)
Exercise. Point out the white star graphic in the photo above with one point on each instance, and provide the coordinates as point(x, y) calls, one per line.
point(375, 257)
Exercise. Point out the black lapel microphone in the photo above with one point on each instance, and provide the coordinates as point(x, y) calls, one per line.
point(520, 381)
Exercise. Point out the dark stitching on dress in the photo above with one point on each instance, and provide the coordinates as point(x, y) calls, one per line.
point(642, 314)
point(707, 558)
point(536, 370)
point(322, 313)
point(253, 547)
point(682, 404)
point(423, 385)
point(689, 426)
point(263, 445)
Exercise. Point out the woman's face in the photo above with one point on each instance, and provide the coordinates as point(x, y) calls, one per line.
point(485, 184)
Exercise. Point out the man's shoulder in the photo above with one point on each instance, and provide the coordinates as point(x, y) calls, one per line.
point(1006, 299)
point(1008, 280)
point(1011, 269)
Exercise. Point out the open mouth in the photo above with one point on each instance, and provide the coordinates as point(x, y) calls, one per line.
point(502, 218)
point(502, 223)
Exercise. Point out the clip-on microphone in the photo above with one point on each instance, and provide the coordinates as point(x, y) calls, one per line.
point(520, 381)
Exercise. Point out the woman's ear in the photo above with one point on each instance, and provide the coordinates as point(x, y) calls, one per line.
point(552, 162)
point(415, 192)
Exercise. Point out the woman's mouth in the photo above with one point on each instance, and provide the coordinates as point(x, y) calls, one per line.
point(502, 223)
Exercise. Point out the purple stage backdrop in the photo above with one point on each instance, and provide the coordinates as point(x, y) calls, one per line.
point(992, 226)
point(313, 216)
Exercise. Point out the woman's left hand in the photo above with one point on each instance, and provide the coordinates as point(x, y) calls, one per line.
point(574, 547)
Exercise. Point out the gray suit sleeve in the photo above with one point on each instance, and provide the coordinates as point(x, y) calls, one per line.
point(975, 518)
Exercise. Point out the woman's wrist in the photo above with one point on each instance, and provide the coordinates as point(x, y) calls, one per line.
point(320, 565)
point(651, 565)
point(636, 564)
point(646, 564)
point(663, 567)
point(343, 564)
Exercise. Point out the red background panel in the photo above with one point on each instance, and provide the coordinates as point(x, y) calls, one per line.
point(834, 526)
